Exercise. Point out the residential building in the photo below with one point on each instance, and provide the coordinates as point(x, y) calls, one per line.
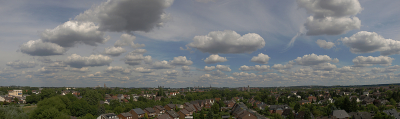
point(163, 116)
point(184, 114)
point(340, 114)
point(169, 107)
point(137, 113)
point(125, 115)
point(173, 114)
point(159, 110)
point(392, 112)
point(150, 112)
point(108, 116)
point(16, 93)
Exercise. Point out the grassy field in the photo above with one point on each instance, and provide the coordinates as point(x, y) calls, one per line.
point(28, 109)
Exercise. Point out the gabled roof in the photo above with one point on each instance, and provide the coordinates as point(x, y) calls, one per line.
point(184, 111)
point(159, 107)
point(109, 115)
point(150, 110)
point(138, 111)
point(173, 114)
point(126, 114)
point(164, 116)
point(189, 109)
point(245, 114)
point(340, 114)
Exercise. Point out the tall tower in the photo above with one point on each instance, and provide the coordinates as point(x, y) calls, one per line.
point(248, 88)
point(105, 85)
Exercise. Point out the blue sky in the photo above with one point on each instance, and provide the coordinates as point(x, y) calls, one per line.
point(181, 43)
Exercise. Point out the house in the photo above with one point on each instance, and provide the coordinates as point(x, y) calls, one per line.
point(16, 93)
point(246, 115)
point(173, 114)
point(120, 96)
point(137, 113)
point(163, 116)
point(340, 114)
point(186, 104)
point(150, 112)
point(366, 93)
point(357, 99)
point(360, 115)
point(159, 110)
point(328, 100)
point(238, 109)
point(312, 98)
point(125, 116)
point(229, 103)
point(169, 107)
point(184, 114)
point(108, 116)
point(392, 112)
point(301, 114)
point(287, 112)
point(278, 109)
point(217, 99)
point(346, 93)
point(262, 106)
point(326, 117)
point(179, 106)
point(302, 102)
point(190, 110)
point(2, 99)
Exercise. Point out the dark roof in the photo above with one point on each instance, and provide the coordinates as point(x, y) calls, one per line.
point(171, 105)
point(126, 114)
point(138, 111)
point(392, 112)
point(164, 116)
point(109, 115)
point(286, 112)
point(189, 109)
point(159, 107)
point(150, 110)
point(340, 114)
point(173, 114)
point(184, 111)
point(360, 115)
point(245, 114)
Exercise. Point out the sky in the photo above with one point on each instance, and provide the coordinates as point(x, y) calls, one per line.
point(186, 43)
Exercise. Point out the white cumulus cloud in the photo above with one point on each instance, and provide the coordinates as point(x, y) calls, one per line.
point(78, 61)
point(40, 48)
point(223, 68)
point(261, 58)
point(74, 32)
point(368, 42)
point(209, 68)
point(127, 40)
point(362, 61)
point(324, 44)
point(114, 51)
point(181, 60)
point(227, 42)
point(21, 64)
point(215, 58)
point(312, 59)
point(331, 17)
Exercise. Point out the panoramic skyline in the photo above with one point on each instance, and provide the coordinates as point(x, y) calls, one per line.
point(182, 43)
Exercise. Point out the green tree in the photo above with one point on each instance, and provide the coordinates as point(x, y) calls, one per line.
point(119, 109)
point(201, 116)
point(16, 101)
point(87, 116)
point(307, 114)
point(47, 93)
point(92, 97)
point(47, 113)
point(216, 108)
point(290, 116)
point(353, 105)
point(210, 114)
point(12, 112)
point(297, 107)
point(32, 99)
point(146, 116)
